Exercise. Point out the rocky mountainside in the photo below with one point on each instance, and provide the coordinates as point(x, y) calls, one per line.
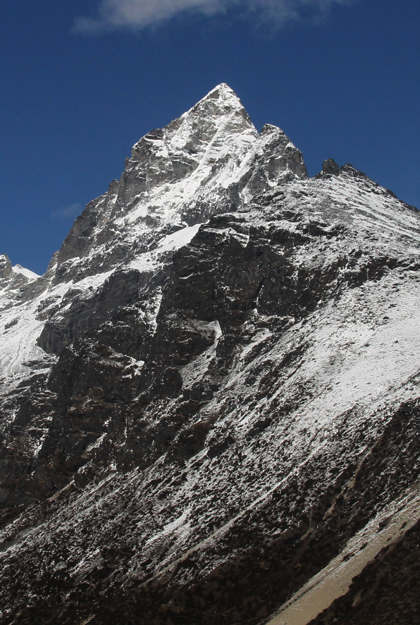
point(210, 402)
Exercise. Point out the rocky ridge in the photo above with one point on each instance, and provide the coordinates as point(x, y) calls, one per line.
point(213, 391)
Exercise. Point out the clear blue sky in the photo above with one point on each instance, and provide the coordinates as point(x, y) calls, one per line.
point(81, 81)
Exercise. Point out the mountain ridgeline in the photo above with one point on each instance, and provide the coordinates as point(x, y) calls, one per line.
point(210, 403)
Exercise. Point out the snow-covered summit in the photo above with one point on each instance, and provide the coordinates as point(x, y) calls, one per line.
point(222, 93)
point(209, 160)
point(219, 104)
point(219, 108)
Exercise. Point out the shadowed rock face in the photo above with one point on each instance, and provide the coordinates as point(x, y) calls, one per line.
point(329, 166)
point(5, 267)
point(213, 389)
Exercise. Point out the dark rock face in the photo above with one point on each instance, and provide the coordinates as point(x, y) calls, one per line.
point(5, 267)
point(193, 432)
point(329, 166)
point(81, 315)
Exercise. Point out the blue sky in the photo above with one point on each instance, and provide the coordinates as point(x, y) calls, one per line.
point(82, 81)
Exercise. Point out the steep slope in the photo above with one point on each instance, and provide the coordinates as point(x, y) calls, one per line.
point(214, 407)
point(210, 159)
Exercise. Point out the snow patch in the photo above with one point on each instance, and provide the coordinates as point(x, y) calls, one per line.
point(31, 275)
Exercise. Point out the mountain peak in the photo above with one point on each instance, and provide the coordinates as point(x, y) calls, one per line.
point(220, 101)
point(209, 160)
point(222, 91)
point(215, 314)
